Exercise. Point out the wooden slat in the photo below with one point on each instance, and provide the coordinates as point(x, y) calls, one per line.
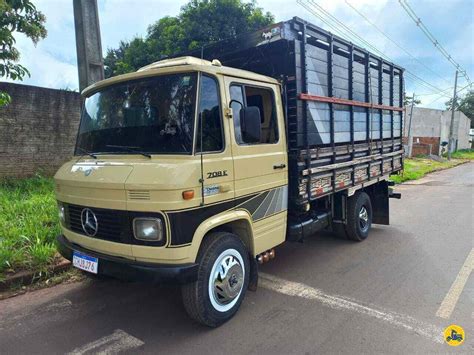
point(336, 100)
point(367, 159)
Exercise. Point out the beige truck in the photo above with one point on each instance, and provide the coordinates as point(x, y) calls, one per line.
point(192, 172)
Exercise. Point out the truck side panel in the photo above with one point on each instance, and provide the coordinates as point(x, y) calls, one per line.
point(347, 126)
point(343, 105)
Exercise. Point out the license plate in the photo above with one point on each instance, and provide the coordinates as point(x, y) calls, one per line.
point(85, 262)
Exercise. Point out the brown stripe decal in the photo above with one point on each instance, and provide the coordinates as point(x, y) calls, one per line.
point(267, 203)
point(183, 224)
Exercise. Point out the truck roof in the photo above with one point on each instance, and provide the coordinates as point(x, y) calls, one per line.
point(176, 65)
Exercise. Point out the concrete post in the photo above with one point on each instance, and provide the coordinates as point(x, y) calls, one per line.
point(410, 134)
point(88, 43)
point(453, 110)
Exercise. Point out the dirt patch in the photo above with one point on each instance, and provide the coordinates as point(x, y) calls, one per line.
point(69, 275)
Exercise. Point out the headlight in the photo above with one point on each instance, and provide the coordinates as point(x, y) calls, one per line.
point(148, 229)
point(61, 212)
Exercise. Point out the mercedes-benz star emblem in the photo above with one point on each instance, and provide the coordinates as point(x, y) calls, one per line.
point(89, 222)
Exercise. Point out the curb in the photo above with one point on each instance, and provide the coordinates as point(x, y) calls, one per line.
point(24, 278)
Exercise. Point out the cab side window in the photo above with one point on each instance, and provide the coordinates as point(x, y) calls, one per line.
point(263, 99)
point(210, 116)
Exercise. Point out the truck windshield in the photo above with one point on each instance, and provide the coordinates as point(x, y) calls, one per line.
point(152, 115)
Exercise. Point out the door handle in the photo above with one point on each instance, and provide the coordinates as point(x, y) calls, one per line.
point(281, 166)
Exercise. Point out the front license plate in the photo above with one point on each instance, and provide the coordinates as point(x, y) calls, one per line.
point(85, 262)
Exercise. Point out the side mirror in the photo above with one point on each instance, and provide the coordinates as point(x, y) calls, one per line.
point(250, 124)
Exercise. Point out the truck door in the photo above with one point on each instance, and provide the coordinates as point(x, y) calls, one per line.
point(260, 167)
point(217, 159)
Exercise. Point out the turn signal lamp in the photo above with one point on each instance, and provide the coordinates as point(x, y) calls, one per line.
point(188, 194)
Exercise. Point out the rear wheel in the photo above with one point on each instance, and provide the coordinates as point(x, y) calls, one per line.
point(359, 217)
point(223, 278)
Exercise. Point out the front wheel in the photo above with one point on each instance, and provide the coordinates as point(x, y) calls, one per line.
point(223, 278)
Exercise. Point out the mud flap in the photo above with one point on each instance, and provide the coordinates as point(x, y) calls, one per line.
point(253, 281)
point(379, 195)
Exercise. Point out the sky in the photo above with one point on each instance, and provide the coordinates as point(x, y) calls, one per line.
point(52, 62)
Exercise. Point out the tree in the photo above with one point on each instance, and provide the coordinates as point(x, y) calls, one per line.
point(17, 16)
point(113, 57)
point(408, 99)
point(199, 22)
point(464, 104)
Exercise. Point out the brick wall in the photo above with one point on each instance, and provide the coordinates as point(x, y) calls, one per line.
point(421, 145)
point(37, 130)
point(420, 149)
point(427, 141)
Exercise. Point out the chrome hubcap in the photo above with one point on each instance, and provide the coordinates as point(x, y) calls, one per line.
point(363, 218)
point(226, 280)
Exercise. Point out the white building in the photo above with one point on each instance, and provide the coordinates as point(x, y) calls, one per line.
point(430, 127)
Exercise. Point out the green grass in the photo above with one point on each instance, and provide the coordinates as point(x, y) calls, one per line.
point(464, 154)
point(28, 224)
point(416, 168)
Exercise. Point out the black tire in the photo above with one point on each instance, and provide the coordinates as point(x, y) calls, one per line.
point(357, 228)
point(207, 307)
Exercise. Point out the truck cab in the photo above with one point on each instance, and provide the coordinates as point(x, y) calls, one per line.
point(180, 174)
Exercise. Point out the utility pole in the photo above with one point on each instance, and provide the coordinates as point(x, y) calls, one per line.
point(410, 135)
point(451, 126)
point(90, 63)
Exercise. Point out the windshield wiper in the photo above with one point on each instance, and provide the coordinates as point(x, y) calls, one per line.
point(130, 149)
point(86, 152)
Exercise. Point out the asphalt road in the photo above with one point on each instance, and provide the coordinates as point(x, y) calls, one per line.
point(326, 295)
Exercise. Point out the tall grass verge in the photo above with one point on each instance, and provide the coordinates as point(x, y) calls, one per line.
point(28, 224)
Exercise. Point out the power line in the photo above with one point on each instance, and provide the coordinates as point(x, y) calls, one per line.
point(337, 28)
point(442, 91)
point(436, 93)
point(351, 34)
point(394, 42)
point(437, 99)
point(451, 88)
point(367, 44)
point(465, 87)
point(411, 13)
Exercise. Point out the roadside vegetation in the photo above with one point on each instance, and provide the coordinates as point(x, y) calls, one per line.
point(29, 224)
point(417, 167)
point(464, 154)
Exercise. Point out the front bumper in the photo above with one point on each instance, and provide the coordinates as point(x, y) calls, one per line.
point(125, 269)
